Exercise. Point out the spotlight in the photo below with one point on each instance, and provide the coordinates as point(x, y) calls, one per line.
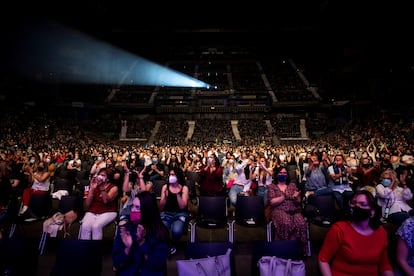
point(78, 58)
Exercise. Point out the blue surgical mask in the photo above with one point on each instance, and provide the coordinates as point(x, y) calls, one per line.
point(386, 182)
point(282, 177)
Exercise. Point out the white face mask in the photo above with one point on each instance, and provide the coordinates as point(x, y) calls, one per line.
point(172, 179)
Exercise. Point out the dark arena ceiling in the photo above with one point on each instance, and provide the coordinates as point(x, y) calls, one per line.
point(306, 27)
point(368, 38)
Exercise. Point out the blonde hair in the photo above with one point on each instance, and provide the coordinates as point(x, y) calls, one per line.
point(390, 172)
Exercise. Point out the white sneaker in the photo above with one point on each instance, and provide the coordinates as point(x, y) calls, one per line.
point(326, 222)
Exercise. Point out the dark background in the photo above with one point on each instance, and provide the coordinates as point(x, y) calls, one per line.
point(341, 44)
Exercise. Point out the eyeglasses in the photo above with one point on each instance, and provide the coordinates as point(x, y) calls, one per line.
point(359, 203)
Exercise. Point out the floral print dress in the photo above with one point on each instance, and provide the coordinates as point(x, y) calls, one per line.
point(287, 216)
point(406, 233)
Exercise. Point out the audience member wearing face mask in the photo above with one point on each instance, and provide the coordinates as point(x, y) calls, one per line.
point(141, 246)
point(286, 211)
point(102, 205)
point(174, 206)
point(211, 177)
point(393, 195)
point(357, 245)
point(40, 179)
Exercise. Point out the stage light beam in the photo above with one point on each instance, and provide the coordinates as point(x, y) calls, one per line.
point(51, 52)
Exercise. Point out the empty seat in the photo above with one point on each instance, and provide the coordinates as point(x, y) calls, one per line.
point(40, 205)
point(249, 212)
point(211, 214)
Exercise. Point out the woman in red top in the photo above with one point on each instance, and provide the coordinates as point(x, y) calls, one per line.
point(102, 204)
point(359, 245)
point(211, 178)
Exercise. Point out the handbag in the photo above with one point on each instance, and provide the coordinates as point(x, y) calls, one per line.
point(53, 224)
point(70, 216)
point(209, 266)
point(272, 265)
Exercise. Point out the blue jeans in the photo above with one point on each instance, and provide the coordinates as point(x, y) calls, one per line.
point(176, 222)
point(322, 191)
point(262, 191)
point(342, 199)
point(319, 192)
point(234, 191)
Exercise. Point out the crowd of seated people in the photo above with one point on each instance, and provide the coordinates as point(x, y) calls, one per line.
point(207, 130)
point(254, 130)
point(59, 146)
point(251, 131)
point(140, 128)
point(171, 132)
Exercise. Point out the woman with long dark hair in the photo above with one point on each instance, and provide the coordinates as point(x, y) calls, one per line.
point(141, 246)
point(174, 206)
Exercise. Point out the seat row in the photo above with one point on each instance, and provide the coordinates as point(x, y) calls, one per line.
point(212, 213)
point(44, 207)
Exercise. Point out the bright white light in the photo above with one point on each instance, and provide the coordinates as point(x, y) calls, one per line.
point(71, 56)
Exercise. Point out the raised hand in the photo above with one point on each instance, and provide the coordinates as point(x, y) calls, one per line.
point(126, 237)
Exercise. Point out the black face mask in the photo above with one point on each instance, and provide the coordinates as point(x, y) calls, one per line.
point(365, 166)
point(358, 214)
